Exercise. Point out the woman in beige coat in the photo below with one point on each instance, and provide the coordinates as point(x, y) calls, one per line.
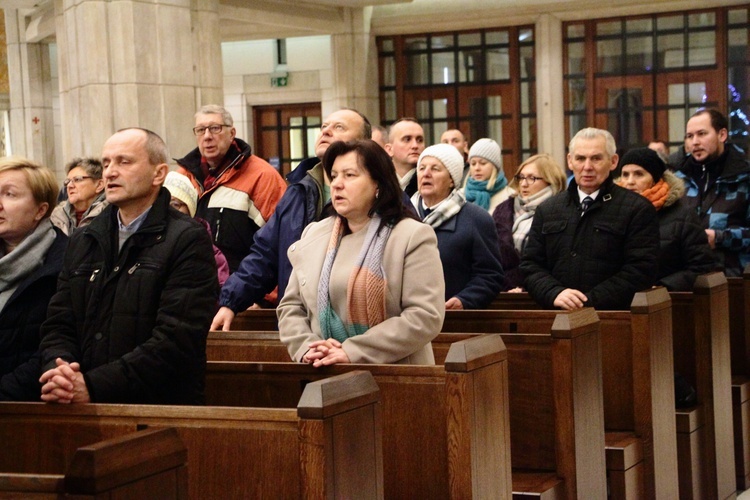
point(364, 286)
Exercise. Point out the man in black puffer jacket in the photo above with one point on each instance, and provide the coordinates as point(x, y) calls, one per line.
point(598, 256)
point(136, 295)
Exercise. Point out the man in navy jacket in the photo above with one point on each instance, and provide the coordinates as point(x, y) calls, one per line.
point(303, 202)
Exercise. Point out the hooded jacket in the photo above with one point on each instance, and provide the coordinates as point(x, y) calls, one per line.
point(240, 202)
point(723, 204)
point(268, 264)
point(684, 252)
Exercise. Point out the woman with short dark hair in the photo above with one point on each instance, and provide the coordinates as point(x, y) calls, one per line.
point(86, 199)
point(358, 291)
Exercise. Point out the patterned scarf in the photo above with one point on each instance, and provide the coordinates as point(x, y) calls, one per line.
point(523, 214)
point(26, 258)
point(365, 291)
point(446, 209)
point(477, 191)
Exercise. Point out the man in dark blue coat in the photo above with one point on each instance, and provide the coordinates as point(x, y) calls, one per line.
point(595, 244)
point(267, 264)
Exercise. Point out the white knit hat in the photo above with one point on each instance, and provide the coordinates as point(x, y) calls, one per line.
point(489, 150)
point(181, 188)
point(449, 157)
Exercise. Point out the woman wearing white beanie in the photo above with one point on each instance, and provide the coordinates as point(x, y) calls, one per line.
point(466, 235)
point(185, 199)
point(486, 184)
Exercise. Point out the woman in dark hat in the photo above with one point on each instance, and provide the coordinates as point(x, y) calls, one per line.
point(684, 252)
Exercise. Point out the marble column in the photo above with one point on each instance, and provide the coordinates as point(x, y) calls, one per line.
point(550, 116)
point(144, 63)
point(354, 66)
point(31, 93)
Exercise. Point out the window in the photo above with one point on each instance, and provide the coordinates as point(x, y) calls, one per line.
point(642, 77)
point(481, 82)
point(286, 134)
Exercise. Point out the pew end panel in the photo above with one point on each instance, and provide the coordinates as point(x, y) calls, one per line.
point(340, 432)
point(478, 423)
point(576, 336)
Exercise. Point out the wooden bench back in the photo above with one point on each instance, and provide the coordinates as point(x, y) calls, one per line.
point(308, 452)
point(445, 428)
point(148, 463)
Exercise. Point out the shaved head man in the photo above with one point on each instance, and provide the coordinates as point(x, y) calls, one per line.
point(405, 144)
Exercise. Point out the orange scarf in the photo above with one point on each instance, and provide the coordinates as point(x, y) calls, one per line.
point(657, 194)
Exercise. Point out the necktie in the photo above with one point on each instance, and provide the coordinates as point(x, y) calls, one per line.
point(585, 204)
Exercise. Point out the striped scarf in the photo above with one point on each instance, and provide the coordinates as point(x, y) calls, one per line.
point(365, 291)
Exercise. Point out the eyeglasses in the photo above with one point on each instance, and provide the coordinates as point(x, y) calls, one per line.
point(76, 180)
point(214, 129)
point(530, 178)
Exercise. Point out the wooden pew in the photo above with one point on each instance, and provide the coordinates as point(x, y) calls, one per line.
point(700, 346)
point(256, 320)
point(256, 345)
point(246, 346)
point(148, 464)
point(638, 385)
point(445, 428)
point(739, 335)
point(328, 447)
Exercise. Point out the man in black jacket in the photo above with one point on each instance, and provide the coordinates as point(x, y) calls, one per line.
point(136, 294)
point(595, 244)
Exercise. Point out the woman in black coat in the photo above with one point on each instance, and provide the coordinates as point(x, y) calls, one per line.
point(684, 252)
point(31, 254)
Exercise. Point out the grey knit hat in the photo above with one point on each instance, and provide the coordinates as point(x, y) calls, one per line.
point(489, 150)
point(449, 157)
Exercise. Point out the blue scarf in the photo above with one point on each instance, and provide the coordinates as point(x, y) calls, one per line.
point(477, 191)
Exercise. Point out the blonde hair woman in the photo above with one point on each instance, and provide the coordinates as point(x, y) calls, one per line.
point(31, 254)
point(536, 180)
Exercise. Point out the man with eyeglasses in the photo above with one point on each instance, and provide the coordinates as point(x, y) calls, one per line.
point(238, 191)
point(595, 244)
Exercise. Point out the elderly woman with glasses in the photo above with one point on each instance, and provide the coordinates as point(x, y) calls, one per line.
point(85, 188)
point(536, 180)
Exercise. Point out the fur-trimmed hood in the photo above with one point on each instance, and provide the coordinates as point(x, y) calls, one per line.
point(676, 188)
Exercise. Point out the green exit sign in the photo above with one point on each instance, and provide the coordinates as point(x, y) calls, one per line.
point(279, 81)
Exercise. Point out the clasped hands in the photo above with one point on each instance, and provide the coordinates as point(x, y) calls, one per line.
point(64, 384)
point(325, 352)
